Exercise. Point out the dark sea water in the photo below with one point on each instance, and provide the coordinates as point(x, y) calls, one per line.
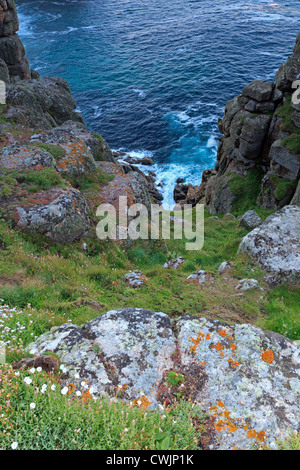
point(153, 76)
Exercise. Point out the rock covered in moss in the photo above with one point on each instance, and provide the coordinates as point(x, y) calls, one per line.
point(276, 245)
point(60, 214)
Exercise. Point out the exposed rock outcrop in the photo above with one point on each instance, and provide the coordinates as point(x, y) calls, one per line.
point(59, 214)
point(12, 52)
point(261, 135)
point(276, 245)
point(251, 378)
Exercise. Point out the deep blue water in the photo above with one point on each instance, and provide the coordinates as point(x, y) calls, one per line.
point(153, 76)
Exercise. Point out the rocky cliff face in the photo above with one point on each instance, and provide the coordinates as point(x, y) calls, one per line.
point(260, 151)
point(13, 62)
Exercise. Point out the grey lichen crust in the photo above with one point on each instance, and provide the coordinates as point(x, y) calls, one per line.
point(254, 375)
point(276, 245)
point(252, 386)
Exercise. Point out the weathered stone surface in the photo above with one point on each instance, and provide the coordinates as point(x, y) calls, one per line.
point(253, 135)
point(251, 380)
point(284, 163)
point(132, 185)
point(4, 72)
point(253, 139)
point(59, 214)
point(131, 347)
point(296, 198)
point(13, 53)
point(224, 267)
point(221, 197)
point(136, 279)
point(198, 276)
point(71, 131)
point(276, 245)
point(20, 157)
point(250, 220)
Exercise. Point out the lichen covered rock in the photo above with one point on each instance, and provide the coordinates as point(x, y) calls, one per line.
point(129, 348)
point(59, 214)
point(276, 245)
point(250, 379)
point(20, 157)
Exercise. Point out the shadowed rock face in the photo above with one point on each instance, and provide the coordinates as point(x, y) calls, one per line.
point(251, 378)
point(256, 136)
point(12, 51)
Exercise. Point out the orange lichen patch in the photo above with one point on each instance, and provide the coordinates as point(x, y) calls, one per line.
point(43, 197)
point(233, 363)
point(221, 415)
point(220, 426)
point(142, 402)
point(232, 346)
point(86, 396)
point(71, 388)
point(200, 338)
point(231, 427)
point(219, 347)
point(267, 356)
point(222, 332)
point(259, 436)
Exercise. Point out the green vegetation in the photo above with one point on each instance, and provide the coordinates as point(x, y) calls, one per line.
point(292, 142)
point(12, 181)
point(38, 416)
point(292, 442)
